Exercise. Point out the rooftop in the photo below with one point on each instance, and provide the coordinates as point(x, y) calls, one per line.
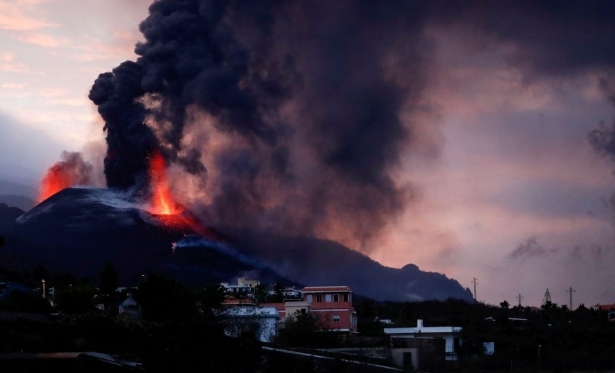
point(325, 289)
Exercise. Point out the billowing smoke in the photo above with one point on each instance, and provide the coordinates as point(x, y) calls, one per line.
point(297, 116)
point(287, 113)
point(129, 140)
point(70, 171)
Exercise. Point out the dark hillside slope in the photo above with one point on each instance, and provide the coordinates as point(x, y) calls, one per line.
point(320, 262)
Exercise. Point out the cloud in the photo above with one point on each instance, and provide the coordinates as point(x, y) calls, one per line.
point(530, 248)
point(12, 85)
point(44, 40)
point(20, 16)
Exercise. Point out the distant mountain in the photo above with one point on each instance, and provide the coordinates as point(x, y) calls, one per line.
point(8, 215)
point(79, 229)
point(15, 188)
point(19, 201)
point(320, 262)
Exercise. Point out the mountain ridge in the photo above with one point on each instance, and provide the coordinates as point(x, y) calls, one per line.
point(79, 229)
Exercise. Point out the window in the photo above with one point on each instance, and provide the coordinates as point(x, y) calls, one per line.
point(336, 297)
point(336, 318)
point(327, 297)
point(308, 298)
point(318, 297)
point(345, 297)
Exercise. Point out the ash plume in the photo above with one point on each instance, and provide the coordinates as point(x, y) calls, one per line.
point(287, 112)
point(296, 116)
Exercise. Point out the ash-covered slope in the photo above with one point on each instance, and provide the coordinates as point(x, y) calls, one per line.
point(79, 229)
point(319, 262)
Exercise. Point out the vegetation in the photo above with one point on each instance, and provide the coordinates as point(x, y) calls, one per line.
point(182, 328)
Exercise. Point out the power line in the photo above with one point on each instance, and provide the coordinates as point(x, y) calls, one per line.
point(519, 299)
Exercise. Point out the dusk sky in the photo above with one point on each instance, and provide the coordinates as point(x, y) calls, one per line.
point(506, 187)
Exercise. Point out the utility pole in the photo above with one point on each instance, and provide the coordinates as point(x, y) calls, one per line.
point(571, 291)
point(474, 280)
point(546, 300)
point(519, 299)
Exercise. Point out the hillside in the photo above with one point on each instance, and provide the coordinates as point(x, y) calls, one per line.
point(79, 229)
point(320, 262)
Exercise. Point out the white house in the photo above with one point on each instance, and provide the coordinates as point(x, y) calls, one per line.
point(262, 322)
point(450, 334)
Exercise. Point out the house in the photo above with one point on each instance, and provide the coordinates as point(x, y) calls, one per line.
point(450, 335)
point(129, 308)
point(332, 306)
point(610, 308)
point(244, 281)
point(291, 292)
point(260, 322)
point(244, 286)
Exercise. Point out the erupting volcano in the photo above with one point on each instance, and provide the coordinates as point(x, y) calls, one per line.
point(162, 202)
point(168, 212)
point(71, 170)
point(54, 181)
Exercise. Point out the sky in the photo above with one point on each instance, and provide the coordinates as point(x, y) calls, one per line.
point(506, 187)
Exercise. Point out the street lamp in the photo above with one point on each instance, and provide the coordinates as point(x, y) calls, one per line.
point(44, 295)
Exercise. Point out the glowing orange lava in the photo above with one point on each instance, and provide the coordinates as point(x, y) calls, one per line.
point(163, 207)
point(162, 200)
point(54, 181)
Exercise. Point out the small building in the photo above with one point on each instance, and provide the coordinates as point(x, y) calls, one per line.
point(292, 293)
point(130, 308)
point(610, 308)
point(332, 306)
point(450, 335)
point(260, 322)
point(244, 281)
point(244, 287)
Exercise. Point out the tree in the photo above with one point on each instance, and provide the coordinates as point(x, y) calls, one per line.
point(504, 305)
point(76, 300)
point(39, 273)
point(108, 286)
point(164, 299)
point(2, 241)
point(19, 301)
point(279, 296)
point(108, 279)
point(260, 293)
point(299, 330)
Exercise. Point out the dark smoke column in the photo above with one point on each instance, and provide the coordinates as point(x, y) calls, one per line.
point(295, 105)
point(129, 140)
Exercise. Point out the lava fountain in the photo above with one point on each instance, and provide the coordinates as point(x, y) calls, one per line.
point(71, 170)
point(54, 181)
point(162, 202)
point(163, 206)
